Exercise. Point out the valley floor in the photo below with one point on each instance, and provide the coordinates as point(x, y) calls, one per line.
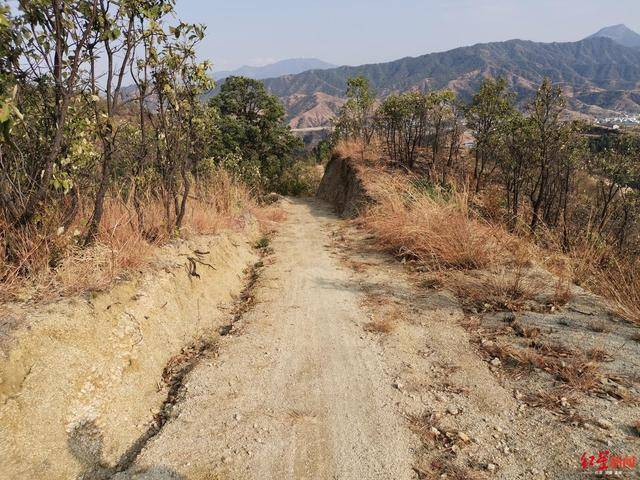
point(345, 369)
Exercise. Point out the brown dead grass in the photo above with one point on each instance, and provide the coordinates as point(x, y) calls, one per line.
point(573, 369)
point(560, 401)
point(562, 292)
point(53, 266)
point(505, 290)
point(355, 149)
point(454, 231)
point(427, 427)
point(601, 269)
point(439, 232)
point(446, 441)
point(598, 355)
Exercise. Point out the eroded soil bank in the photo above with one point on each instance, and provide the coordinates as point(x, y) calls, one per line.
point(83, 380)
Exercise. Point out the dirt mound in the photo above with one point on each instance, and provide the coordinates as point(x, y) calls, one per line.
point(342, 187)
point(82, 380)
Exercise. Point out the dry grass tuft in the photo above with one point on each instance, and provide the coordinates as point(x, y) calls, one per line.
point(431, 283)
point(602, 270)
point(562, 292)
point(427, 427)
point(506, 290)
point(445, 230)
point(438, 231)
point(524, 330)
point(268, 216)
point(355, 150)
point(560, 401)
point(575, 371)
point(598, 355)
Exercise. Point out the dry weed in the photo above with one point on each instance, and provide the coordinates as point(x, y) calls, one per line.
point(431, 283)
point(598, 355)
point(50, 265)
point(562, 292)
point(572, 369)
point(427, 427)
point(524, 330)
point(356, 150)
point(438, 231)
point(506, 290)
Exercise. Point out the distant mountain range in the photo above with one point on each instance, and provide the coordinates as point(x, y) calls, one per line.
point(599, 75)
point(620, 34)
point(290, 66)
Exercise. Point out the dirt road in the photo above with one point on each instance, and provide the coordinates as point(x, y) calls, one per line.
point(300, 392)
point(350, 366)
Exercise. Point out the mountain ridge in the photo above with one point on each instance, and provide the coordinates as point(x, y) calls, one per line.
point(597, 74)
point(620, 34)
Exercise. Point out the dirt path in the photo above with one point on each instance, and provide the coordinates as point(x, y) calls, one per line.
point(350, 366)
point(301, 392)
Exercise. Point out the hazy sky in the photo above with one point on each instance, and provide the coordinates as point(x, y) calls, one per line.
point(354, 32)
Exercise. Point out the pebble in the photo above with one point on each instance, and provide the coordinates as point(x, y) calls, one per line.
point(496, 362)
point(452, 410)
point(238, 417)
point(602, 423)
point(492, 467)
point(464, 437)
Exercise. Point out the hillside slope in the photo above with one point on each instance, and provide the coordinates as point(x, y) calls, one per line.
point(598, 75)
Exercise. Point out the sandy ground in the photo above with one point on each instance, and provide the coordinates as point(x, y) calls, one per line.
point(346, 369)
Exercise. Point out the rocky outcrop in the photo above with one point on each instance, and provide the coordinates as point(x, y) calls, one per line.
point(342, 187)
